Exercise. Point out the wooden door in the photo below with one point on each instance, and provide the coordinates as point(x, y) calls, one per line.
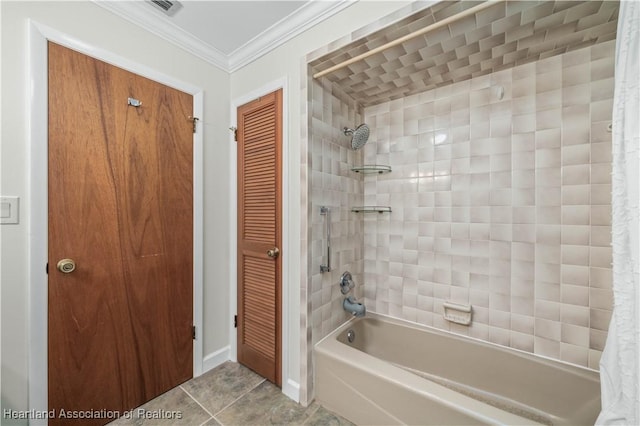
point(259, 235)
point(120, 206)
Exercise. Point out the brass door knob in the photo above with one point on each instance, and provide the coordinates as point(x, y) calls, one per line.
point(273, 253)
point(66, 266)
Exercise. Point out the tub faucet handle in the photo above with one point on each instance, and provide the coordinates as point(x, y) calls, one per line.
point(346, 282)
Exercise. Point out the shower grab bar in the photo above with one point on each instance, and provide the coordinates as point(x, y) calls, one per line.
point(327, 213)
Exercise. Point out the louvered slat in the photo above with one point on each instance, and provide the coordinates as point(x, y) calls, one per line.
point(259, 305)
point(259, 175)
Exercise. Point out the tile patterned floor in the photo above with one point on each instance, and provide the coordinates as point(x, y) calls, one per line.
point(230, 394)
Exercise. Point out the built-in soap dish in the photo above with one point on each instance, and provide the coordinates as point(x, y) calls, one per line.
point(458, 313)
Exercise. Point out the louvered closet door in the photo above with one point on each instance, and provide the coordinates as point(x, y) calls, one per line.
point(259, 237)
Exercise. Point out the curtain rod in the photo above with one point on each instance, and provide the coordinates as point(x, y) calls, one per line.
point(409, 36)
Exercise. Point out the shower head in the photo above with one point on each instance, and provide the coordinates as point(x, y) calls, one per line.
point(359, 135)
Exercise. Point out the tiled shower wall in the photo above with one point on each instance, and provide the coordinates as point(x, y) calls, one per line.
point(334, 185)
point(500, 193)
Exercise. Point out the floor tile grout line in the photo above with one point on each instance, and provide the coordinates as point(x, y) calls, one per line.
point(202, 424)
point(197, 402)
point(311, 414)
point(240, 397)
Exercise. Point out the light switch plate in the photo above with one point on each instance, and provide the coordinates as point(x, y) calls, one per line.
point(9, 210)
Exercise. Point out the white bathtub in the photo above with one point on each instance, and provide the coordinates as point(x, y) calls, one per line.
point(396, 372)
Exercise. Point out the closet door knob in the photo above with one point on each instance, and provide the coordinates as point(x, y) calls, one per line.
point(274, 252)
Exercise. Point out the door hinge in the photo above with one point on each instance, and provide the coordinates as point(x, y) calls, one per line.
point(194, 120)
point(193, 332)
point(235, 321)
point(234, 129)
point(46, 268)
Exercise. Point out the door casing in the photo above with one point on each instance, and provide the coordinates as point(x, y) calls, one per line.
point(37, 105)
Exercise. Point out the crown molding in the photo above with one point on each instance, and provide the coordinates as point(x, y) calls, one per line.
point(287, 28)
point(139, 13)
point(312, 13)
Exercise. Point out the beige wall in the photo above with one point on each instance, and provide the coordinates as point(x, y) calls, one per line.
point(99, 28)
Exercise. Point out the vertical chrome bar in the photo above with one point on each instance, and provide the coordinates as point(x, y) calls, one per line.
point(327, 213)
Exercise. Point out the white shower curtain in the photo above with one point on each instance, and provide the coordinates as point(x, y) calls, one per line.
point(619, 366)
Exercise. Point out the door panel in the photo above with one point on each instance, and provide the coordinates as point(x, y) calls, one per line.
point(120, 205)
point(259, 224)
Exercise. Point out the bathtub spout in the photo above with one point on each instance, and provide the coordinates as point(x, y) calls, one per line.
point(353, 307)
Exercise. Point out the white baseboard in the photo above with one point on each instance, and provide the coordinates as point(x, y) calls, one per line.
point(292, 390)
point(214, 359)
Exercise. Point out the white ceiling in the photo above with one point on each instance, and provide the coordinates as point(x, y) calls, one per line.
point(227, 25)
point(228, 34)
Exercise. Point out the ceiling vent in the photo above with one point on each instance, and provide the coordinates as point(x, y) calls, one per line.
point(168, 7)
